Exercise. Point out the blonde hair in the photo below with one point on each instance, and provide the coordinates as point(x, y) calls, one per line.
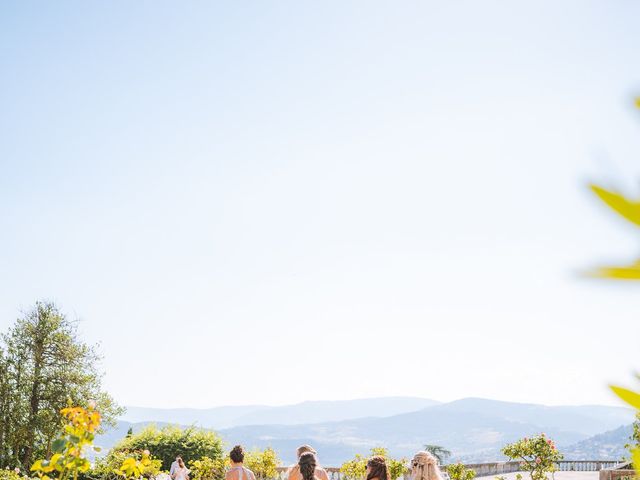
point(304, 449)
point(424, 466)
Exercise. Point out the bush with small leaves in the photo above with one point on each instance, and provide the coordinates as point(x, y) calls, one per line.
point(263, 463)
point(457, 471)
point(209, 469)
point(538, 455)
point(356, 469)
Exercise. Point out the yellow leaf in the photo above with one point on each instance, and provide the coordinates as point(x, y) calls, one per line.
point(630, 272)
point(635, 456)
point(626, 208)
point(36, 466)
point(632, 398)
point(637, 102)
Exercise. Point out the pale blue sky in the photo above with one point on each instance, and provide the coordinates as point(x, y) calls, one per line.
point(281, 201)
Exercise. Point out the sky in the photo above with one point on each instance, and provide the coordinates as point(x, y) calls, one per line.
point(273, 202)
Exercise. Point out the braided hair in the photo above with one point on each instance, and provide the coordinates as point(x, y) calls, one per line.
point(307, 464)
point(378, 468)
point(424, 466)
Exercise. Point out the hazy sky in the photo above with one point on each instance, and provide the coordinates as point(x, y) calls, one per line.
point(270, 202)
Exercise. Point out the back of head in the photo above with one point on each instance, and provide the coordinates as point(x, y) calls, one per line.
point(378, 468)
point(304, 449)
point(424, 466)
point(307, 464)
point(237, 454)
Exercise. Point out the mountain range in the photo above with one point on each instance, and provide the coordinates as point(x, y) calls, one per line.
point(474, 429)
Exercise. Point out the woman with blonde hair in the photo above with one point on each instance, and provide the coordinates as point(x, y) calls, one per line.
point(424, 466)
point(294, 472)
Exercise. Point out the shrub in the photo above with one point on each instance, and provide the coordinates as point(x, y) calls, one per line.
point(538, 455)
point(356, 469)
point(457, 471)
point(11, 474)
point(191, 443)
point(263, 463)
point(209, 469)
point(116, 464)
point(69, 458)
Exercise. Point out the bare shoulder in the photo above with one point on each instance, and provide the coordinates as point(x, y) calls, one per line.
point(321, 473)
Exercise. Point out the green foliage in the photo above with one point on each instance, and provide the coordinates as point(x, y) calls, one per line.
point(263, 463)
point(441, 453)
point(634, 439)
point(11, 474)
point(43, 368)
point(633, 399)
point(69, 458)
point(538, 455)
point(356, 468)
point(191, 443)
point(457, 471)
point(110, 467)
point(209, 469)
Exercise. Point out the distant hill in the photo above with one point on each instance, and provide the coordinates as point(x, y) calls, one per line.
point(301, 413)
point(473, 429)
point(605, 446)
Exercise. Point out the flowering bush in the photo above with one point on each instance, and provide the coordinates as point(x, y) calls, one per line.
point(11, 474)
point(69, 457)
point(209, 469)
point(356, 469)
point(538, 455)
point(69, 450)
point(262, 463)
point(457, 471)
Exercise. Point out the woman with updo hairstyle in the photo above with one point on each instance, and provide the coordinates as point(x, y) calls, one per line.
point(307, 464)
point(294, 471)
point(424, 466)
point(377, 468)
point(238, 471)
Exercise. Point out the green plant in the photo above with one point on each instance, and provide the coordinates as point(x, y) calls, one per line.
point(116, 464)
point(191, 443)
point(356, 468)
point(209, 469)
point(70, 450)
point(263, 463)
point(633, 399)
point(11, 474)
point(44, 367)
point(634, 439)
point(457, 471)
point(538, 455)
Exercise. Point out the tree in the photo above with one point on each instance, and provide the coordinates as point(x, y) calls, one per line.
point(191, 443)
point(44, 367)
point(441, 453)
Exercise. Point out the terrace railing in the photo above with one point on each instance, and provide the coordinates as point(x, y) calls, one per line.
point(497, 468)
